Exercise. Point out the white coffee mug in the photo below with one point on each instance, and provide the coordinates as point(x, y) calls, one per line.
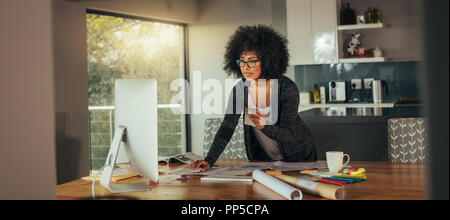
point(335, 161)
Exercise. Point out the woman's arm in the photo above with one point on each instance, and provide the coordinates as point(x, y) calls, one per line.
point(222, 137)
point(288, 117)
point(228, 125)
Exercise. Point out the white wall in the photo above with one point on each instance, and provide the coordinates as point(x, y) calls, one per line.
point(27, 154)
point(217, 21)
point(184, 11)
point(71, 91)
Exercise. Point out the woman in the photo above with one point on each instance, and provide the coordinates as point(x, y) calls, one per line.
point(269, 101)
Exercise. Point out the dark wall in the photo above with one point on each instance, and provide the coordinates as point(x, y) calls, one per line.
point(435, 83)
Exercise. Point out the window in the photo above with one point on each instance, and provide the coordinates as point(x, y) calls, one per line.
point(134, 48)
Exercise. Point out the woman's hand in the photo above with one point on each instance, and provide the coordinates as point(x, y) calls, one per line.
point(258, 119)
point(205, 166)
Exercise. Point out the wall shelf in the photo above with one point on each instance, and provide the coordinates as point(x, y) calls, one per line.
point(359, 26)
point(362, 60)
point(302, 108)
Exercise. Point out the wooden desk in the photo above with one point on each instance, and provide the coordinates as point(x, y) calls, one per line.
point(385, 181)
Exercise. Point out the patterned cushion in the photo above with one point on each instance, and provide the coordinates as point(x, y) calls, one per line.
point(408, 140)
point(235, 148)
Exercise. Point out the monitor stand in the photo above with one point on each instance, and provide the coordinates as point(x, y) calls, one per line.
point(105, 181)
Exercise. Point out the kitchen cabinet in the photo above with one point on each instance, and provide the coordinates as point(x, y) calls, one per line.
point(316, 38)
point(298, 18)
point(311, 30)
point(363, 136)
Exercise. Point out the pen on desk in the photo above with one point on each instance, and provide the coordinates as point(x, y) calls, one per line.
point(357, 177)
point(336, 180)
point(349, 178)
point(340, 179)
point(331, 182)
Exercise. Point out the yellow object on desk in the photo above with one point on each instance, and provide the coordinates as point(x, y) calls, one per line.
point(274, 172)
point(358, 172)
point(351, 177)
point(308, 171)
point(354, 172)
point(114, 178)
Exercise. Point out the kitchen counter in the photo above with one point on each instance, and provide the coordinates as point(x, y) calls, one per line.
point(363, 114)
point(302, 108)
point(360, 132)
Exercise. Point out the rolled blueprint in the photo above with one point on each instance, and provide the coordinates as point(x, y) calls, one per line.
point(277, 185)
point(325, 190)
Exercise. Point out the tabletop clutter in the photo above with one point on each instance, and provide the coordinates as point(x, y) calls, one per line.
point(311, 181)
point(289, 179)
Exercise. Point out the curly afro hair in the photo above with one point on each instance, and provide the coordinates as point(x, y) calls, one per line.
point(268, 44)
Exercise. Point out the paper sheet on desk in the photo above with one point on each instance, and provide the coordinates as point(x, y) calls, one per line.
point(249, 167)
point(218, 171)
point(211, 171)
point(286, 166)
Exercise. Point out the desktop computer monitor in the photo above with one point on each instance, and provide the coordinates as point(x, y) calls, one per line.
point(136, 133)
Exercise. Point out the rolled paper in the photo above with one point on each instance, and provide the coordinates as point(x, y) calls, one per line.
point(280, 187)
point(325, 190)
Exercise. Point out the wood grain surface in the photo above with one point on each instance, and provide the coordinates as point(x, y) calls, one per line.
point(386, 181)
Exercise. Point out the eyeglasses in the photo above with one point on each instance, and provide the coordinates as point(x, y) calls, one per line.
point(250, 63)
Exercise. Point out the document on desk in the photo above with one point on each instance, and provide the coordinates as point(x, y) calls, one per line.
point(284, 166)
point(249, 167)
point(188, 157)
point(211, 171)
point(288, 166)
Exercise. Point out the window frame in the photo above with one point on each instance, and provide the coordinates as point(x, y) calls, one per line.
point(185, 52)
